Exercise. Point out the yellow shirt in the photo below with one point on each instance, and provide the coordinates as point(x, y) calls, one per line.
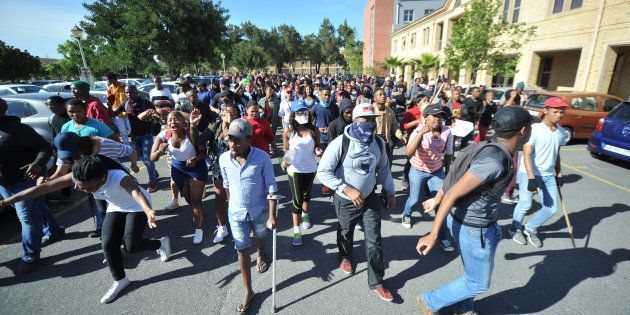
point(118, 90)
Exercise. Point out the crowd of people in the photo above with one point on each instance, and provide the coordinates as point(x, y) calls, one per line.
point(341, 130)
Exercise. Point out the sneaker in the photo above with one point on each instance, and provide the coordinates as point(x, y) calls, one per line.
point(384, 294)
point(306, 222)
point(116, 288)
point(404, 186)
point(532, 237)
point(27, 265)
point(325, 190)
point(220, 234)
point(297, 239)
point(165, 249)
point(424, 307)
point(151, 187)
point(95, 234)
point(517, 236)
point(198, 236)
point(406, 221)
point(509, 200)
point(173, 205)
point(446, 245)
point(49, 239)
point(346, 266)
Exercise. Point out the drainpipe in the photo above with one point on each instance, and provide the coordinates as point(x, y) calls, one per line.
point(591, 53)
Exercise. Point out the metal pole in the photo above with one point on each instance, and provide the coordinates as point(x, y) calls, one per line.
point(223, 65)
point(82, 54)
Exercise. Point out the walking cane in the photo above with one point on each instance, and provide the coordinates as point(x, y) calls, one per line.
point(273, 256)
point(566, 218)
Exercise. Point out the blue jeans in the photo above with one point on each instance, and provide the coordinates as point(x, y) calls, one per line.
point(122, 123)
point(241, 230)
point(478, 259)
point(417, 181)
point(550, 200)
point(35, 217)
point(143, 145)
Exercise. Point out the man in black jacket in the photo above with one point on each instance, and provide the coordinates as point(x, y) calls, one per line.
point(24, 156)
point(338, 125)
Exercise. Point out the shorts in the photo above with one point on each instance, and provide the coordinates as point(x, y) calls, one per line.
point(180, 172)
point(241, 230)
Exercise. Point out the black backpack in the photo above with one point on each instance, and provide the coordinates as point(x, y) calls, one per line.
point(465, 157)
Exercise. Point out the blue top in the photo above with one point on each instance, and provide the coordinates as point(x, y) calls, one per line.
point(92, 127)
point(248, 185)
point(323, 117)
point(205, 96)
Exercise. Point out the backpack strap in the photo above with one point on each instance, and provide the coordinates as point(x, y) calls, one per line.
point(345, 143)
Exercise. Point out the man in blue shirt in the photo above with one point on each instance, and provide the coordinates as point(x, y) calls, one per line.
point(83, 125)
point(250, 183)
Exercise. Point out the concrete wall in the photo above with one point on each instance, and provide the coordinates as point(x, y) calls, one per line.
point(383, 15)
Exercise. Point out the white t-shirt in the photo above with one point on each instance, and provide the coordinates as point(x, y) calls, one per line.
point(303, 148)
point(118, 199)
point(546, 145)
point(185, 152)
point(285, 111)
point(157, 97)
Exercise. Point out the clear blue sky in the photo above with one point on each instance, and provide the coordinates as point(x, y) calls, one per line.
point(40, 25)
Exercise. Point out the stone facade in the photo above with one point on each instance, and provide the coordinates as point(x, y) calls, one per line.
point(579, 45)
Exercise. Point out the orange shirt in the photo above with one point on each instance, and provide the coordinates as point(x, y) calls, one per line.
point(118, 90)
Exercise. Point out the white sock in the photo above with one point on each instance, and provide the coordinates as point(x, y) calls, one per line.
point(296, 229)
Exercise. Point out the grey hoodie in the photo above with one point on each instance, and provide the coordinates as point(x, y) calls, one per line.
point(359, 169)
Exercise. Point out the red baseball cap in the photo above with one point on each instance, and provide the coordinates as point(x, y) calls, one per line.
point(555, 102)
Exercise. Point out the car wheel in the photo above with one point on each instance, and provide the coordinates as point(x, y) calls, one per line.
point(568, 134)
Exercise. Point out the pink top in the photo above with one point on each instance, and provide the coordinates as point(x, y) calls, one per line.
point(431, 151)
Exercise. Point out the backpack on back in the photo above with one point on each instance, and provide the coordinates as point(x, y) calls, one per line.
point(345, 143)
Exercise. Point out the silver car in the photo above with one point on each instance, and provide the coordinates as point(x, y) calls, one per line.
point(13, 89)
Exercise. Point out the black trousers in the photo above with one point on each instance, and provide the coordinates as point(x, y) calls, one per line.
point(124, 228)
point(301, 184)
point(349, 215)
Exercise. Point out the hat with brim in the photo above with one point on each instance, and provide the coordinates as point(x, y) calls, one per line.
point(364, 110)
point(298, 105)
point(66, 144)
point(433, 111)
point(240, 128)
point(510, 118)
point(182, 81)
point(555, 102)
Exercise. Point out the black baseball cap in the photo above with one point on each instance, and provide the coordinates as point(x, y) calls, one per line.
point(433, 111)
point(511, 118)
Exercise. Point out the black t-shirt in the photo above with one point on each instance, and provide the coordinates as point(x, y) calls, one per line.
point(471, 109)
point(135, 108)
point(56, 122)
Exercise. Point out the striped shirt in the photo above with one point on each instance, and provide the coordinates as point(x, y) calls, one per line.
point(429, 154)
point(109, 148)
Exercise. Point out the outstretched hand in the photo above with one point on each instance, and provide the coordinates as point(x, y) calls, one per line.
point(195, 117)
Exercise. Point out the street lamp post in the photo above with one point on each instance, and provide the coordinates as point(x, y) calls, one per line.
point(223, 61)
point(85, 72)
point(341, 51)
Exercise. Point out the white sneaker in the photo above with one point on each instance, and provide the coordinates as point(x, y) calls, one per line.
point(198, 236)
point(165, 249)
point(116, 288)
point(221, 233)
point(173, 205)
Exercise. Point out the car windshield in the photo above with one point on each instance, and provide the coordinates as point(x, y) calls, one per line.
point(21, 89)
point(621, 112)
point(537, 100)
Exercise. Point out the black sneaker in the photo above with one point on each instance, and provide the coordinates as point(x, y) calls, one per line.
point(49, 239)
point(27, 265)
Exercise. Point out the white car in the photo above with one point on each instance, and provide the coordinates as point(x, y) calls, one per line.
point(171, 86)
point(58, 87)
point(13, 89)
point(134, 81)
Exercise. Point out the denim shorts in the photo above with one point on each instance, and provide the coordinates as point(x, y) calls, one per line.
point(241, 230)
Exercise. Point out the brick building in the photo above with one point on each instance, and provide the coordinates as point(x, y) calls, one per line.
point(579, 45)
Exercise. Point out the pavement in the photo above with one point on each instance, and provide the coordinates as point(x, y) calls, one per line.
point(554, 279)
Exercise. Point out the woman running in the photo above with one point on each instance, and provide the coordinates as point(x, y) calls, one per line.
point(188, 168)
point(125, 221)
point(301, 146)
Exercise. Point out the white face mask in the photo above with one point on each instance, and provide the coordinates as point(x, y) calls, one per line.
point(301, 119)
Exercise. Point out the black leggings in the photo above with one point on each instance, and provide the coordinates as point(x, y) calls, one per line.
point(301, 184)
point(124, 228)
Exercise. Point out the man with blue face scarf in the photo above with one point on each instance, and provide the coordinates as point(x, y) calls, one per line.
point(324, 113)
point(353, 177)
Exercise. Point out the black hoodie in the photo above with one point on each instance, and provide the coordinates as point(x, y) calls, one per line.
point(338, 125)
point(20, 145)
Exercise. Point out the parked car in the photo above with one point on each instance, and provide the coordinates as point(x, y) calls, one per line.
point(171, 86)
point(102, 95)
point(135, 81)
point(585, 110)
point(58, 87)
point(99, 86)
point(612, 134)
point(44, 82)
point(499, 96)
point(12, 89)
point(32, 110)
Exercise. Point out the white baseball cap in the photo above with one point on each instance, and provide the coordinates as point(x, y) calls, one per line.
point(364, 110)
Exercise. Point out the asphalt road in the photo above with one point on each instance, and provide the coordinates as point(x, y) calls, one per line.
point(555, 279)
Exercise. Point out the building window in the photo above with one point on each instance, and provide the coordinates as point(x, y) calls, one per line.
point(557, 6)
point(412, 41)
point(404, 42)
point(427, 11)
point(517, 9)
point(576, 4)
point(425, 36)
point(545, 71)
point(395, 45)
point(407, 16)
point(506, 10)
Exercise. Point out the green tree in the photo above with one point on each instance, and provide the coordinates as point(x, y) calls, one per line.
point(328, 43)
point(352, 49)
point(247, 56)
point(391, 63)
point(425, 63)
point(311, 51)
point(291, 42)
point(481, 40)
point(178, 32)
point(17, 64)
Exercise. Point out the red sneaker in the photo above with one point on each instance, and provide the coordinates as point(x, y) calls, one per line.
point(346, 266)
point(150, 187)
point(384, 294)
point(325, 190)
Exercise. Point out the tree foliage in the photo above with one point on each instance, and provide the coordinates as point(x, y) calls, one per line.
point(352, 48)
point(248, 56)
point(391, 63)
point(425, 63)
point(311, 51)
point(328, 43)
point(17, 64)
point(481, 40)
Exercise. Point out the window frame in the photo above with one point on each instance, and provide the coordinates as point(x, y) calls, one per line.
point(405, 14)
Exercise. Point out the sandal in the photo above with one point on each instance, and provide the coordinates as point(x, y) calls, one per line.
point(262, 266)
point(243, 308)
